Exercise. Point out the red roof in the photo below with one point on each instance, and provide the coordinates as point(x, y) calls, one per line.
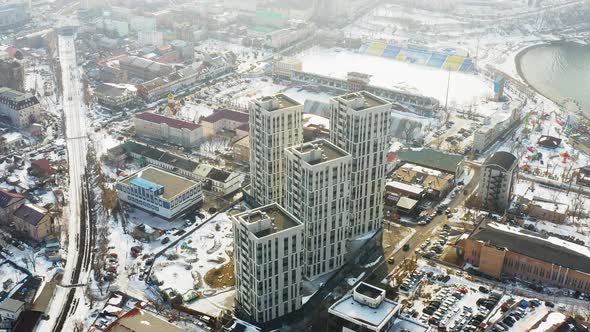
point(42, 164)
point(157, 118)
point(229, 115)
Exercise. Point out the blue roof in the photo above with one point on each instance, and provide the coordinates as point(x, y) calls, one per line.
point(145, 184)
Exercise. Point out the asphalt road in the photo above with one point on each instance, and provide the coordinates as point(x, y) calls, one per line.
point(75, 272)
point(422, 233)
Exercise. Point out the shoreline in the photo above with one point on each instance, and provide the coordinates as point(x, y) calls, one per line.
point(518, 64)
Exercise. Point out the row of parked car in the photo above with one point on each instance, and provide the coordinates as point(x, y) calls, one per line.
point(436, 247)
point(410, 282)
point(443, 309)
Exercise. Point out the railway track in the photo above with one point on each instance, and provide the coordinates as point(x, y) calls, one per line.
point(84, 245)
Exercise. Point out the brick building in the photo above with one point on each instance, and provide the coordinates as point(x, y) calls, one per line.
point(503, 251)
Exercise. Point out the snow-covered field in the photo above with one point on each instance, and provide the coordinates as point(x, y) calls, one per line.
point(388, 73)
point(184, 266)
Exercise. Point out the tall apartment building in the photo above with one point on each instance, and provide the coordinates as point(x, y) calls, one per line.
point(317, 192)
point(498, 175)
point(276, 122)
point(359, 124)
point(268, 257)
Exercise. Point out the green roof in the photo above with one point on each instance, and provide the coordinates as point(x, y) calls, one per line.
point(430, 158)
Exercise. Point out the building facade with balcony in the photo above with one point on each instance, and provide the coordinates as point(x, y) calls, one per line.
point(276, 122)
point(498, 176)
point(268, 257)
point(317, 192)
point(359, 124)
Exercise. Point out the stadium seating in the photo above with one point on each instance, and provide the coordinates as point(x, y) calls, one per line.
point(417, 55)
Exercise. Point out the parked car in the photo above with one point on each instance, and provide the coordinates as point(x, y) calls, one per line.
point(165, 240)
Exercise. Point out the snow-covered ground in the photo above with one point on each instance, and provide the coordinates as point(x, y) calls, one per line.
point(184, 266)
point(388, 73)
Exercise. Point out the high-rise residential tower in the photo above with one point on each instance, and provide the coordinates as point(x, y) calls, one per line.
point(498, 176)
point(317, 181)
point(276, 122)
point(359, 124)
point(268, 258)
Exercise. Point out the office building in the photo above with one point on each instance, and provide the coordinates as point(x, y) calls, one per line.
point(276, 122)
point(157, 191)
point(359, 124)
point(317, 176)
point(498, 176)
point(268, 257)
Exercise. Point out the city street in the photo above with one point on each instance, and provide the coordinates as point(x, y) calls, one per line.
point(75, 272)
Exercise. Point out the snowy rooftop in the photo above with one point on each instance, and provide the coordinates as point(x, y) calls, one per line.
point(173, 184)
point(348, 308)
point(276, 102)
point(362, 100)
point(535, 245)
point(317, 152)
point(267, 220)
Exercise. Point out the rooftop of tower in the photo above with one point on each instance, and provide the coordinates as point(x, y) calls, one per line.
point(276, 102)
point(362, 100)
point(318, 151)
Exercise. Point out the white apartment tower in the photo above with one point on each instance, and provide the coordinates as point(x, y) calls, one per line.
point(498, 176)
point(276, 122)
point(317, 184)
point(359, 124)
point(268, 256)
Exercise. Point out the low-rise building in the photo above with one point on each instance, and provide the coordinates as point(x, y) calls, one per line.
point(160, 87)
point(115, 96)
point(12, 75)
point(583, 176)
point(144, 69)
point(215, 179)
point(544, 209)
point(223, 119)
point(9, 202)
point(433, 159)
point(284, 68)
point(242, 149)
point(404, 189)
point(160, 192)
point(366, 309)
point(218, 180)
point(437, 184)
point(10, 310)
point(10, 142)
point(168, 129)
point(140, 320)
point(23, 109)
point(33, 221)
point(503, 251)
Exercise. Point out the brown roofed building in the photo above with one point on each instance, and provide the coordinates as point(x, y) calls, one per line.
point(33, 221)
point(140, 320)
point(168, 129)
point(503, 251)
point(223, 119)
point(9, 202)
